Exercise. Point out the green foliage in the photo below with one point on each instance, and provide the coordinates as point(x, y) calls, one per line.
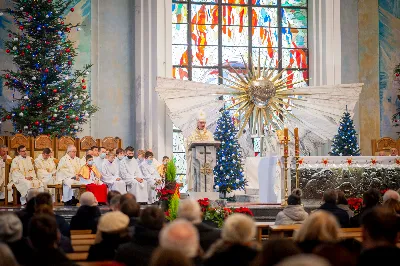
point(170, 174)
point(49, 95)
point(173, 207)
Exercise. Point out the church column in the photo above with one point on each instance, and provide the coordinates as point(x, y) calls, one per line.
point(152, 58)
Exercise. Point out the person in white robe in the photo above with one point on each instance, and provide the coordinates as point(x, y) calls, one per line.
point(132, 176)
point(111, 176)
point(150, 174)
point(140, 156)
point(98, 161)
point(22, 174)
point(199, 134)
point(156, 163)
point(120, 154)
point(46, 169)
point(3, 159)
point(68, 172)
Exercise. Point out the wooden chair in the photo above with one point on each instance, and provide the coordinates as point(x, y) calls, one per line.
point(260, 227)
point(111, 143)
point(62, 144)
point(384, 144)
point(85, 144)
point(41, 142)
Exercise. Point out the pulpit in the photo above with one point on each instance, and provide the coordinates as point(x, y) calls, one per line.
point(203, 162)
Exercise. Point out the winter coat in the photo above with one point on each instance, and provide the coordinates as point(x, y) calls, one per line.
point(292, 214)
point(347, 209)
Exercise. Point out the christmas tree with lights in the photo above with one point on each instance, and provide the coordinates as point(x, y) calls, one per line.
point(345, 142)
point(228, 172)
point(49, 96)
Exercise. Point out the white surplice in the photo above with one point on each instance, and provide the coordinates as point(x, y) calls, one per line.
point(153, 179)
point(20, 169)
point(3, 177)
point(129, 171)
point(66, 170)
point(110, 173)
point(98, 162)
point(45, 170)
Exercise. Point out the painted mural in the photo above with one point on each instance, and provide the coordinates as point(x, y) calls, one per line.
point(389, 57)
point(81, 36)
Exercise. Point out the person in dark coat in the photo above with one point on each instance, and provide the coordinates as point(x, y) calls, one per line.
point(112, 231)
point(379, 231)
point(330, 200)
point(44, 237)
point(131, 209)
point(26, 214)
point(236, 247)
point(11, 234)
point(88, 214)
point(371, 199)
point(145, 238)
point(190, 210)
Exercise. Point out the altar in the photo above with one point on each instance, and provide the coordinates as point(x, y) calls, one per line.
point(315, 174)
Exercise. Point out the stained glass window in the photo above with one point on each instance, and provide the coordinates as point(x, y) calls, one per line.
point(209, 34)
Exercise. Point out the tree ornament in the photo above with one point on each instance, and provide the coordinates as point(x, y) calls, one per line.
point(83, 80)
point(15, 39)
point(67, 50)
point(8, 51)
point(77, 118)
point(7, 76)
point(14, 48)
point(38, 104)
point(55, 115)
point(75, 97)
point(33, 78)
point(25, 127)
point(76, 127)
point(28, 46)
point(397, 74)
point(46, 70)
point(72, 9)
point(55, 90)
point(69, 62)
point(26, 97)
point(67, 116)
point(36, 123)
point(84, 87)
point(60, 107)
point(21, 114)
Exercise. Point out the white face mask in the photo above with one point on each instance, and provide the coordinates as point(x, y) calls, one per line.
point(120, 157)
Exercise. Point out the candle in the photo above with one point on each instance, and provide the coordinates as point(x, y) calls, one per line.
point(286, 133)
point(296, 133)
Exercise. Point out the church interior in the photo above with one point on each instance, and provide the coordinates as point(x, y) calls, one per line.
point(199, 132)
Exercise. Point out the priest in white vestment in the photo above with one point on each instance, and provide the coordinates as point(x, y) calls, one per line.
point(67, 172)
point(111, 175)
point(132, 176)
point(3, 159)
point(46, 169)
point(22, 174)
point(150, 174)
point(199, 134)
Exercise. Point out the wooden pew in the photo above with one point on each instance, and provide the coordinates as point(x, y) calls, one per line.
point(279, 231)
point(81, 232)
point(78, 256)
point(260, 227)
point(100, 263)
point(85, 236)
point(76, 242)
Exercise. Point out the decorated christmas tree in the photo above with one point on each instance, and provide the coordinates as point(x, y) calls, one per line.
point(228, 172)
point(345, 142)
point(49, 96)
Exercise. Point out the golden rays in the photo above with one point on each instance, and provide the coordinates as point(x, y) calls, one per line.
point(261, 96)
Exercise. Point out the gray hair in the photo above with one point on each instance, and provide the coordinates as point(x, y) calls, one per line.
point(304, 260)
point(32, 193)
point(10, 228)
point(190, 210)
point(180, 235)
point(3, 146)
point(238, 228)
point(391, 194)
point(6, 256)
point(330, 196)
point(70, 148)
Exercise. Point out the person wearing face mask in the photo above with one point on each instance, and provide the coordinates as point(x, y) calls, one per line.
point(140, 156)
point(98, 161)
point(152, 177)
point(90, 175)
point(133, 177)
point(111, 176)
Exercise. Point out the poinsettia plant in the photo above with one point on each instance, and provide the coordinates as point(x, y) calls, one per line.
point(355, 204)
point(217, 215)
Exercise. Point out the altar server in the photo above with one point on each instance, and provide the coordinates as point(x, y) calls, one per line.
point(162, 169)
point(67, 172)
point(140, 156)
point(22, 174)
point(3, 158)
point(98, 161)
point(132, 176)
point(90, 175)
point(46, 168)
point(151, 176)
point(199, 134)
point(111, 176)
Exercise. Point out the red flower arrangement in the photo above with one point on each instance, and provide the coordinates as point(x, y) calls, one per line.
point(204, 204)
point(244, 210)
point(355, 204)
point(165, 193)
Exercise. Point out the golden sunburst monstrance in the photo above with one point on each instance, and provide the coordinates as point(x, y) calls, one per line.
point(263, 98)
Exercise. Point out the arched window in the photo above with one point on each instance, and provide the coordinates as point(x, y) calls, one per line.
point(205, 43)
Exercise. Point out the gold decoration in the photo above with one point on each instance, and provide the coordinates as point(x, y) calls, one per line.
point(206, 169)
point(262, 97)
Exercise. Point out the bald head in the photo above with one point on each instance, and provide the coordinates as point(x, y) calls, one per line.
point(71, 151)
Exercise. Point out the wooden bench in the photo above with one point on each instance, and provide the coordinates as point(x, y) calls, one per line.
point(279, 231)
point(86, 236)
point(59, 192)
point(100, 263)
point(260, 227)
point(78, 256)
point(81, 232)
point(81, 248)
point(76, 242)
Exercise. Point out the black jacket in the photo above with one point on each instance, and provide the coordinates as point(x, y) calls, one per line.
point(50, 257)
point(208, 235)
point(22, 251)
point(106, 249)
point(341, 215)
point(86, 218)
point(234, 255)
point(138, 251)
point(377, 256)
